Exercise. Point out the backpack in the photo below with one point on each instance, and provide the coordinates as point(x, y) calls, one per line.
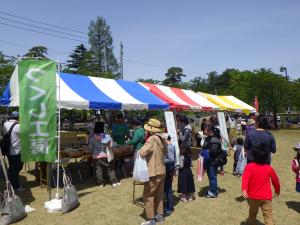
point(221, 155)
point(6, 141)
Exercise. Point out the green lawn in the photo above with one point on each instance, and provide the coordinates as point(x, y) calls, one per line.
point(114, 206)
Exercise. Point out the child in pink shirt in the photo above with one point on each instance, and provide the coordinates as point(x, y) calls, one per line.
point(295, 166)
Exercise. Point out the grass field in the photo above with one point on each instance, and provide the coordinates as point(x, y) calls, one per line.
point(114, 206)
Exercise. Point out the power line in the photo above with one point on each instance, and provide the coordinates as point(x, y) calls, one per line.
point(47, 24)
point(41, 32)
point(39, 27)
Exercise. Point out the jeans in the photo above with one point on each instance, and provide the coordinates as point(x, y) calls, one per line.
point(169, 193)
point(213, 183)
point(15, 167)
point(298, 187)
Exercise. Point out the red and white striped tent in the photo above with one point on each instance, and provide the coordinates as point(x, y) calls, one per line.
point(180, 99)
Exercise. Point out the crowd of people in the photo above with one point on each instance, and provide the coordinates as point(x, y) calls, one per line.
point(154, 144)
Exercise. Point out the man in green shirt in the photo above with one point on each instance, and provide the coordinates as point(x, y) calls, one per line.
point(138, 139)
point(120, 130)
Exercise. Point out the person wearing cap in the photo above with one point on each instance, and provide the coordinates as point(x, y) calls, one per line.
point(138, 139)
point(296, 167)
point(14, 157)
point(154, 151)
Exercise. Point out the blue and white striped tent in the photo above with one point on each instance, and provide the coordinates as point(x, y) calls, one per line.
point(83, 92)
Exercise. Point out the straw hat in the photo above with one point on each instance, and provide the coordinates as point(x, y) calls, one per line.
point(153, 126)
point(297, 147)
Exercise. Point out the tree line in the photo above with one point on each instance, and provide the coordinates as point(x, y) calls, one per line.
point(275, 92)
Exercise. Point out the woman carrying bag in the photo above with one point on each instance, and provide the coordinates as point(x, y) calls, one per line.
point(100, 146)
point(154, 151)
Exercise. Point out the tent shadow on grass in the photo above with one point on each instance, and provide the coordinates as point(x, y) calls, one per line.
point(293, 205)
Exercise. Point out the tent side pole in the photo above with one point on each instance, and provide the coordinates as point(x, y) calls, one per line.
point(58, 133)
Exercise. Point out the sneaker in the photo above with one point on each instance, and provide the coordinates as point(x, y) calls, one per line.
point(149, 222)
point(114, 185)
point(168, 212)
point(159, 218)
point(191, 198)
point(209, 196)
point(101, 186)
point(118, 183)
point(183, 199)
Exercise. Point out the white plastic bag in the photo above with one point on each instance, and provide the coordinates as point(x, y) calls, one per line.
point(140, 170)
point(200, 169)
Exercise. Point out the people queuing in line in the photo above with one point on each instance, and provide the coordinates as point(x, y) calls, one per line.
point(259, 136)
point(296, 167)
point(170, 163)
point(14, 156)
point(256, 185)
point(138, 139)
point(238, 150)
point(212, 144)
point(154, 151)
point(120, 130)
point(186, 184)
point(100, 147)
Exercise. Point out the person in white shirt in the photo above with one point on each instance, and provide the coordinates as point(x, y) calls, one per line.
point(14, 157)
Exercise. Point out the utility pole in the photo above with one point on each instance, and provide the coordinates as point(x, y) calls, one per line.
point(121, 60)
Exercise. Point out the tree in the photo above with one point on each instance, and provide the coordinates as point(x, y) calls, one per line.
point(37, 51)
point(7, 66)
point(101, 41)
point(78, 58)
point(174, 76)
point(150, 81)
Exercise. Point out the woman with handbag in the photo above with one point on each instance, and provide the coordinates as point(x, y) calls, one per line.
point(100, 146)
point(154, 151)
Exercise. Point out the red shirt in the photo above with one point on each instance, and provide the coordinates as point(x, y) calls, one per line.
point(256, 181)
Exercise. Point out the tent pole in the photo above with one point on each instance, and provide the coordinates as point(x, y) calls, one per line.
point(58, 133)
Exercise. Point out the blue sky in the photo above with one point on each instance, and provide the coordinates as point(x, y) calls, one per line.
point(198, 36)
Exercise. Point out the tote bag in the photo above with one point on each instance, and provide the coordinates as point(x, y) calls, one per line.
point(140, 170)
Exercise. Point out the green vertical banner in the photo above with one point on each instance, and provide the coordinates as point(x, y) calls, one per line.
point(38, 123)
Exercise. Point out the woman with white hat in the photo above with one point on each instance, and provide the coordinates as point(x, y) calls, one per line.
point(154, 151)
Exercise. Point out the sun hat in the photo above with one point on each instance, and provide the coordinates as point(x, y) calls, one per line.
point(297, 146)
point(153, 126)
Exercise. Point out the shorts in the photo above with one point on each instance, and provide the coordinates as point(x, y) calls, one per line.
point(298, 187)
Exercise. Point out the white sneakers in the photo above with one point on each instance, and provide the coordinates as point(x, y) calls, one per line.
point(116, 184)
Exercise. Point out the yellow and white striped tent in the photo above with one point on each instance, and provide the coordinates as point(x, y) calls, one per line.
point(229, 103)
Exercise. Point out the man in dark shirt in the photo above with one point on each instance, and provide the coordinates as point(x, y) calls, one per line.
point(259, 137)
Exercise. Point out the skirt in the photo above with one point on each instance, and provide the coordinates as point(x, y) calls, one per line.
point(186, 182)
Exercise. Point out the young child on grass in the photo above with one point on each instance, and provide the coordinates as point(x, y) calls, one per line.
point(296, 168)
point(170, 163)
point(237, 151)
point(256, 186)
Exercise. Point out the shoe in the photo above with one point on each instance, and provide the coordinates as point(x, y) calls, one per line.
point(209, 196)
point(149, 222)
point(159, 218)
point(20, 189)
point(118, 183)
point(222, 173)
point(101, 186)
point(191, 198)
point(183, 199)
point(114, 185)
point(168, 212)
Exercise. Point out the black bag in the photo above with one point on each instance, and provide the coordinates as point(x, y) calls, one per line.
point(222, 158)
point(6, 141)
